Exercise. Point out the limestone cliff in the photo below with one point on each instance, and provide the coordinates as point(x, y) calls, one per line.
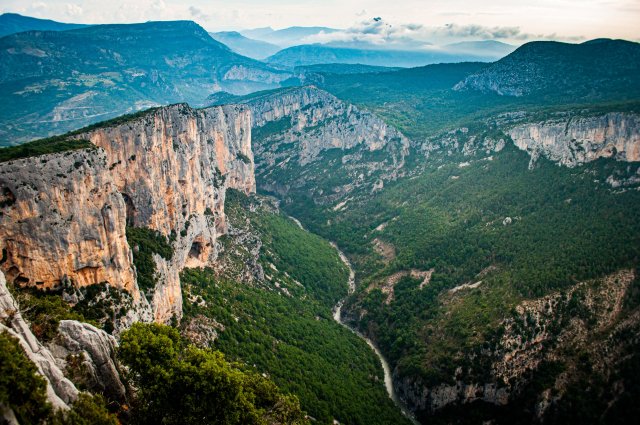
point(173, 166)
point(574, 141)
point(306, 139)
point(62, 217)
point(317, 121)
point(567, 138)
point(60, 390)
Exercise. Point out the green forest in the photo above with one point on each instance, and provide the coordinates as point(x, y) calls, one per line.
point(291, 336)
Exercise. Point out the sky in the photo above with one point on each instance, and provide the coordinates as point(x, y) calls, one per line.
point(513, 21)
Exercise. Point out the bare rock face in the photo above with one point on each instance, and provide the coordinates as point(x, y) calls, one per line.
point(173, 166)
point(88, 353)
point(575, 141)
point(60, 391)
point(317, 121)
point(540, 332)
point(62, 217)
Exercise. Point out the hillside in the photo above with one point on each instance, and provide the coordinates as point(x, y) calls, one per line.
point(550, 76)
point(245, 46)
point(594, 70)
point(487, 266)
point(135, 221)
point(58, 81)
point(11, 23)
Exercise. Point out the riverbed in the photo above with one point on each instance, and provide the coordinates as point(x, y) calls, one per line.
point(337, 316)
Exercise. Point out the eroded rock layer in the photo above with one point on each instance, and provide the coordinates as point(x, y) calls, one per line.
point(575, 141)
point(64, 215)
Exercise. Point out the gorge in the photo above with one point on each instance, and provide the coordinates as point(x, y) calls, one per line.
point(464, 249)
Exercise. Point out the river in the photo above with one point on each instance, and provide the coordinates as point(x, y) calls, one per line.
point(337, 316)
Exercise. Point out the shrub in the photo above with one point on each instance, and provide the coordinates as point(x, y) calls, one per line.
point(180, 384)
point(21, 388)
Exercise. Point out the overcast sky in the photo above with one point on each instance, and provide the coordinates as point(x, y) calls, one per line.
point(507, 20)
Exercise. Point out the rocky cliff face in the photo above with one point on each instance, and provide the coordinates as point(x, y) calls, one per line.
point(89, 354)
point(316, 121)
point(64, 215)
point(307, 140)
point(544, 337)
point(172, 167)
point(60, 390)
point(575, 141)
point(63, 218)
point(566, 138)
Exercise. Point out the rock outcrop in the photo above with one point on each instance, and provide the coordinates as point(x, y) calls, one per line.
point(317, 121)
point(575, 141)
point(303, 135)
point(60, 390)
point(586, 318)
point(173, 166)
point(89, 355)
point(62, 217)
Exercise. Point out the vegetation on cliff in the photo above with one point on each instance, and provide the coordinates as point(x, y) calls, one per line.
point(177, 383)
point(42, 147)
point(283, 324)
point(23, 390)
point(146, 242)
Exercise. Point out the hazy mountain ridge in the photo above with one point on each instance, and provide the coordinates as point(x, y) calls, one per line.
point(563, 70)
point(314, 54)
point(11, 23)
point(57, 81)
point(285, 37)
point(245, 46)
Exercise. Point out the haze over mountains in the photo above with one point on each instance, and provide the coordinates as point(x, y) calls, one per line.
point(58, 81)
point(11, 23)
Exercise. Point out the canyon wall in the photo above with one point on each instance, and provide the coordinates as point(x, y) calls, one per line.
point(64, 215)
point(545, 337)
point(63, 218)
point(316, 121)
point(576, 140)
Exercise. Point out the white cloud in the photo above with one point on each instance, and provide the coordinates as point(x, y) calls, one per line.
point(379, 32)
point(74, 10)
point(594, 18)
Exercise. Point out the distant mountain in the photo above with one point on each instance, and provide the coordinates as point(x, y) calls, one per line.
point(285, 37)
point(344, 68)
point(245, 46)
point(321, 54)
point(11, 23)
point(593, 70)
point(486, 48)
point(56, 81)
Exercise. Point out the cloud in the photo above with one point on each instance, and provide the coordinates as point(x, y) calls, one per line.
point(375, 31)
point(198, 14)
point(380, 33)
point(73, 10)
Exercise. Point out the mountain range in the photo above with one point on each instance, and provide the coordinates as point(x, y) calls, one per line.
point(297, 242)
point(245, 46)
point(313, 54)
point(57, 81)
point(11, 23)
